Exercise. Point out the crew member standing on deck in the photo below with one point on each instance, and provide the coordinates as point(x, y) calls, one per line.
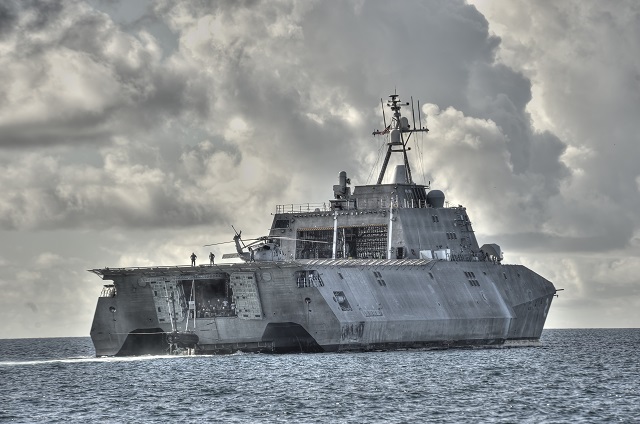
point(193, 259)
point(211, 258)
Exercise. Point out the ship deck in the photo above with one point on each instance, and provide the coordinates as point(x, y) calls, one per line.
point(253, 266)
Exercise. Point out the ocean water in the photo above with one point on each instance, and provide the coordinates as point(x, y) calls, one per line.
point(576, 376)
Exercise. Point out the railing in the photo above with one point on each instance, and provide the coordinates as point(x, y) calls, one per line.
point(361, 205)
point(303, 207)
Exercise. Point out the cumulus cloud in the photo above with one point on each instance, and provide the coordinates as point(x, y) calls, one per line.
point(242, 105)
point(583, 63)
point(75, 77)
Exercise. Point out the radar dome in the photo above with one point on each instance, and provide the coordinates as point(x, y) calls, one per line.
point(435, 198)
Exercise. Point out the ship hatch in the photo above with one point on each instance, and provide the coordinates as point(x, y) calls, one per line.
point(212, 296)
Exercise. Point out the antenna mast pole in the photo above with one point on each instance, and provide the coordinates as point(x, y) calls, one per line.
point(397, 128)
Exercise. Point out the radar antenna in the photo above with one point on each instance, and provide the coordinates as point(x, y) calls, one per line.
point(398, 127)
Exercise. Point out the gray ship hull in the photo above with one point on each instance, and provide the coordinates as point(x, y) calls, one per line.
point(322, 306)
point(382, 266)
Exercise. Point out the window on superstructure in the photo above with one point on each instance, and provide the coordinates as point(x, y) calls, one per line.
point(281, 223)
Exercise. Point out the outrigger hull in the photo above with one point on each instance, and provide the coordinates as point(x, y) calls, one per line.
point(322, 306)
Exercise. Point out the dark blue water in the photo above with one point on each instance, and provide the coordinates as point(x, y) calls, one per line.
point(577, 376)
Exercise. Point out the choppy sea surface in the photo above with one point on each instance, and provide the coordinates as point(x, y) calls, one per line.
point(586, 375)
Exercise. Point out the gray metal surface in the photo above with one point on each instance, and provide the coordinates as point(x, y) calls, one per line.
point(384, 266)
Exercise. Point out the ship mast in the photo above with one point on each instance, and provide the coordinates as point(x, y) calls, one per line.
point(400, 132)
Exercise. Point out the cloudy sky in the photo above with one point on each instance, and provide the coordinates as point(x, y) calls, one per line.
point(133, 133)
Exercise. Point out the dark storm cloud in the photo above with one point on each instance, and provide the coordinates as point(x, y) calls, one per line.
point(87, 129)
point(583, 61)
point(305, 99)
point(82, 81)
point(76, 78)
point(44, 12)
point(7, 17)
point(130, 190)
point(433, 51)
point(288, 96)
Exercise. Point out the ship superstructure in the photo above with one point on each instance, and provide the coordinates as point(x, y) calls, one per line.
point(382, 266)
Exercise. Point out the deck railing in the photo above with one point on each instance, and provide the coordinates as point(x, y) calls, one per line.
point(303, 207)
point(362, 205)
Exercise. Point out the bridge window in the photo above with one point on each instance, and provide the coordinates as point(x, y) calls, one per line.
point(281, 223)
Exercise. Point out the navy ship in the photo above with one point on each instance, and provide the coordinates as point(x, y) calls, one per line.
point(384, 266)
